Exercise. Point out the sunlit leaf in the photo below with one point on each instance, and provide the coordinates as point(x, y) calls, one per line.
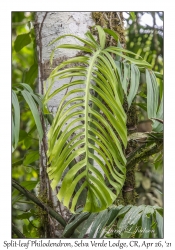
point(76, 116)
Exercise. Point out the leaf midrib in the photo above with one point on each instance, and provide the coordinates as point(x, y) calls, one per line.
point(88, 83)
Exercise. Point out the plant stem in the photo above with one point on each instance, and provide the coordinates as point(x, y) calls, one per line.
point(45, 207)
point(17, 232)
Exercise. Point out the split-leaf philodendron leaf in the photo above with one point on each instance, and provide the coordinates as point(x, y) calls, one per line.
point(88, 133)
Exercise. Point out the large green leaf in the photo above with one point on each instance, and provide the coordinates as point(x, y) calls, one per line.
point(89, 127)
point(80, 133)
point(21, 41)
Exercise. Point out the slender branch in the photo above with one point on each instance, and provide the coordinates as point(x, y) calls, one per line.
point(141, 154)
point(17, 232)
point(32, 197)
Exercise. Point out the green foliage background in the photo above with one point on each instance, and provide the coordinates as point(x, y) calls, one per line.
point(24, 168)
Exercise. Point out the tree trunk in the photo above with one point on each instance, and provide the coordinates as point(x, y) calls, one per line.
point(48, 26)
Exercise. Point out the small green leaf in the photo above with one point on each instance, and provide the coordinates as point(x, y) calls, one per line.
point(31, 157)
point(21, 41)
point(28, 97)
